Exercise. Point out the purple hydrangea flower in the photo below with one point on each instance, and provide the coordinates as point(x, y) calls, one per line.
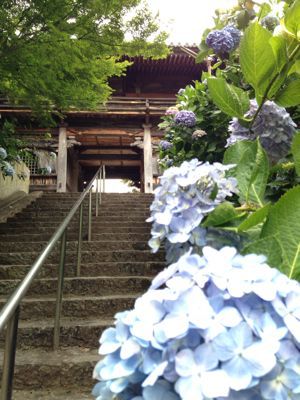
point(3, 153)
point(185, 118)
point(209, 327)
point(273, 126)
point(235, 34)
point(165, 145)
point(220, 41)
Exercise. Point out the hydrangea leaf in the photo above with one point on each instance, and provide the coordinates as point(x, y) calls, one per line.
point(230, 99)
point(269, 246)
point(278, 45)
point(224, 213)
point(257, 57)
point(254, 219)
point(251, 171)
point(290, 95)
point(292, 19)
point(283, 223)
point(296, 152)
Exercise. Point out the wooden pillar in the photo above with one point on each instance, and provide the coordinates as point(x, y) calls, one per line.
point(62, 160)
point(148, 171)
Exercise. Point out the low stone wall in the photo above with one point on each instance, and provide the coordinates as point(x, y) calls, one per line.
point(11, 185)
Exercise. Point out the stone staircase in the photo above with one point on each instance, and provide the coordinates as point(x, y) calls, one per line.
point(116, 267)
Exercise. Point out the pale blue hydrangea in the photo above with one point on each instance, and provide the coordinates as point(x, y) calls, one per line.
point(274, 127)
point(209, 327)
point(165, 145)
point(185, 118)
point(185, 196)
point(7, 169)
point(3, 153)
point(270, 22)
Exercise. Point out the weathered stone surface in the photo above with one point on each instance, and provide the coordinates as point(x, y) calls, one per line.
point(116, 267)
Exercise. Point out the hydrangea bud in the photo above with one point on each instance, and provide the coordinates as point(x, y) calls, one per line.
point(270, 22)
point(220, 41)
point(3, 153)
point(185, 118)
point(172, 110)
point(165, 145)
point(273, 126)
point(198, 133)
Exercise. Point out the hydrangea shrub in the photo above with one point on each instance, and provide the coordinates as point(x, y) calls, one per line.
point(220, 326)
point(187, 194)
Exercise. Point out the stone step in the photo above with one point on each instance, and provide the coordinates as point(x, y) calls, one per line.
point(72, 246)
point(75, 306)
point(148, 268)
point(40, 220)
point(82, 286)
point(22, 258)
point(83, 332)
point(53, 394)
point(145, 229)
point(61, 214)
point(53, 223)
point(69, 367)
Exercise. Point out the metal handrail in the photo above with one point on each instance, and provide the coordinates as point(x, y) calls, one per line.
point(9, 314)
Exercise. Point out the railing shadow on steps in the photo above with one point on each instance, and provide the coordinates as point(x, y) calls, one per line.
point(9, 315)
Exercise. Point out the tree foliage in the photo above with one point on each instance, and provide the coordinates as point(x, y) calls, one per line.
point(59, 54)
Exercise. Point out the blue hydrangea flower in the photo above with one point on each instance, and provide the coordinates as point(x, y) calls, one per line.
point(235, 34)
point(220, 41)
point(185, 118)
point(273, 126)
point(185, 196)
point(193, 335)
point(3, 153)
point(7, 169)
point(165, 145)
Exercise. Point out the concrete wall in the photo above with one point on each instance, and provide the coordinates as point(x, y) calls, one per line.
point(11, 185)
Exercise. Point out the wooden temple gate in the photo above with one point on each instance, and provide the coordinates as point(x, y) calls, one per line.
point(123, 134)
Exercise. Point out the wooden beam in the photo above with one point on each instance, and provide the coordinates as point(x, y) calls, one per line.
point(105, 147)
point(148, 172)
point(62, 160)
point(119, 157)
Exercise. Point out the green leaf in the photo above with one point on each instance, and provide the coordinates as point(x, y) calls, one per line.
point(251, 171)
point(225, 212)
point(230, 99)
point(292, 19)
point(283, 224)
point(265, 9)
point(257, 57)
point(296, 152)
point(279, 47)
point(295, 68)
point(268, 246)
point(254, 219)
point(290, 95)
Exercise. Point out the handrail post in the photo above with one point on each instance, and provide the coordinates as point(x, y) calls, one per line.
point(9, 356)
point(60, 285)
point(90, 217)
point(100, 181)
point(97, 195)
point(79, 240)
point(104, 177)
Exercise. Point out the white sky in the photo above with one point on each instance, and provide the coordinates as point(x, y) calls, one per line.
point(185, 20)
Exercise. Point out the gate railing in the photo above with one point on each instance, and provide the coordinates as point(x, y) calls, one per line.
point(9, 315)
